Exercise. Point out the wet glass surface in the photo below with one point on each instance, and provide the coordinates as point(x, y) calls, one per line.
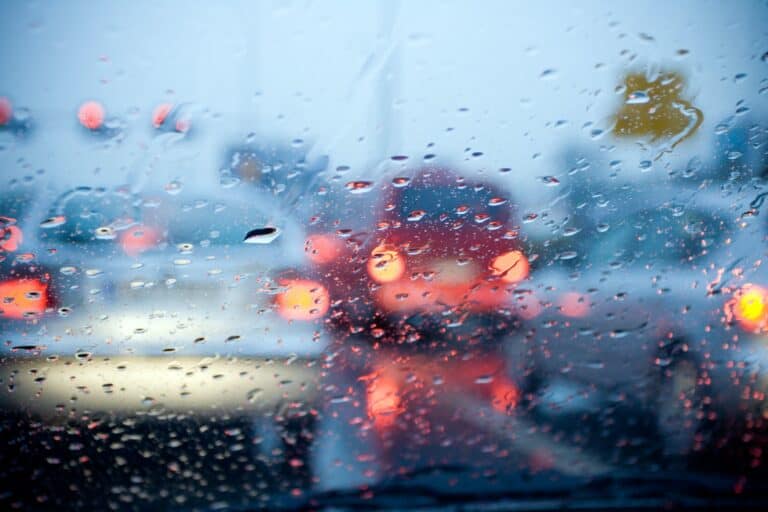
point(343, 256)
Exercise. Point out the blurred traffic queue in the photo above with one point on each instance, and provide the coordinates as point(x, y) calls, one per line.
point(442, 249)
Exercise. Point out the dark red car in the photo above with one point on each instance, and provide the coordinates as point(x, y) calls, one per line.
point(443, 252)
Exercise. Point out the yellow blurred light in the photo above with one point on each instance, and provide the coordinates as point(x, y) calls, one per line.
point(511, 266)
point(748, 306)
point(386, 264)
point(303, 300)
point(751, 305)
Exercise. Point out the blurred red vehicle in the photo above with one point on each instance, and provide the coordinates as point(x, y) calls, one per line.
point(442, 254)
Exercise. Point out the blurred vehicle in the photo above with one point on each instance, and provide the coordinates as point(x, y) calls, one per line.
point(154, 294)
point(651, 310)
point(165, 271)
point(27, 285)
point(442, 254)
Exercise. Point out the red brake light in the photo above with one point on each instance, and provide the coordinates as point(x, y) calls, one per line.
point(384, 403)
point(139, 239)
point(91, 115)
point(160, 114)
point(6, 111)
point(323, 249)
point(11, 238)
point(22, 297)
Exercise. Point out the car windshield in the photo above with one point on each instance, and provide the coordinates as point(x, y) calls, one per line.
point(335, 255)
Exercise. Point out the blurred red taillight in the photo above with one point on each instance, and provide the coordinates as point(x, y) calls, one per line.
point(91, 115)
point(11, 238)
point(138, 239)
point(323, 249)
point(6, 111)
point(384, 402)
point(20, 298)
point(160, 114)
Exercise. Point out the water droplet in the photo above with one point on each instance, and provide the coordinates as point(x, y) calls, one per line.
point(548, 74)
point(462, 210)
point(400, 181)
point(530, 217)
point(359, 187)
point(174, 187)
point(68, 270)
point(693, 167)
point(53, 222)
point(416, 215)
point(180, 262)
point(550, 181)
point(264, 235)
point(254, 394)
point(399, 158)
point(570, 231)
point(185, 248)
point(105, 233)
point(497, 201)
point(637, 98)
point(93, 272)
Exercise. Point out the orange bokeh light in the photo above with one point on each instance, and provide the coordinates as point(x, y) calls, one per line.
point(20, 297)
point(385, 264)
point(384, 403)
point(11, 238)
point(302, 300)
point(749, 306)
point(91, 115)
point(511, 266)
point(323, 249)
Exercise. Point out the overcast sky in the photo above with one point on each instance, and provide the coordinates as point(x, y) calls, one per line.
point(364, 80)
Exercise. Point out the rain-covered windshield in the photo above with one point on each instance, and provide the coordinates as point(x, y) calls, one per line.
point(336, 255)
